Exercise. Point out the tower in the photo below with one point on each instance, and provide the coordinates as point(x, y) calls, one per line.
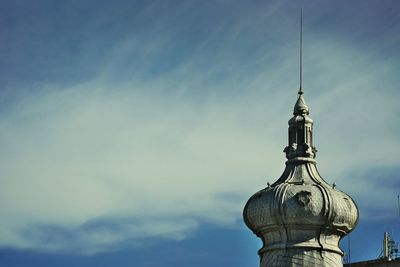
point(300, 218)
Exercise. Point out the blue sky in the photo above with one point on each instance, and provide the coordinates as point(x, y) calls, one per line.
point(133, 132)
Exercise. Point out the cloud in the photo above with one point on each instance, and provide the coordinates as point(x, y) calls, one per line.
point(106, 234)
point(76, 155)
point(167, 135)
point(156, 164)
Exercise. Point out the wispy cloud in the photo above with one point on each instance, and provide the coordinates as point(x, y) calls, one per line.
point(173, 127)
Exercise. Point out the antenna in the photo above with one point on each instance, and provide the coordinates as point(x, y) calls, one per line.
point(390, 247)
point(349, 249)
point(398, 203)
point(301, 52)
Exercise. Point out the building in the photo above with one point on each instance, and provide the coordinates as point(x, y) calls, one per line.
point(375, 263)
point(301, 217)
point(390, 255)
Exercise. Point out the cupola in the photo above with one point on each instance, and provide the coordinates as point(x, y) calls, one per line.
point(300, 218)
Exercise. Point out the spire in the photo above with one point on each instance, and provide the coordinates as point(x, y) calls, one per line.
point(300, 139)
point(301, 106)
point(301, 52)
point(300, 217)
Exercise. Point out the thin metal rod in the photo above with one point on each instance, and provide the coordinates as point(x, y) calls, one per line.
point(301, 52)
point(349, 248)
point(398, 202)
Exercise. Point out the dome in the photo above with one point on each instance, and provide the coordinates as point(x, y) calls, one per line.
point(301, 217)
point(301, 210)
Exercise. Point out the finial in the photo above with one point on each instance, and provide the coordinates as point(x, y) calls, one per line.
point(301, 52)
point(300, 107)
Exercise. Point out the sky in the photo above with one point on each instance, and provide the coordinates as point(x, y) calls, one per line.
point(132, 133)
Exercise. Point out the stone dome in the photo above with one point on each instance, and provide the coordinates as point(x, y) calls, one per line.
point(300, 214)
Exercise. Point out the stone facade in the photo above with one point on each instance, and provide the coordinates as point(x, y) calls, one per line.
point(300, 218)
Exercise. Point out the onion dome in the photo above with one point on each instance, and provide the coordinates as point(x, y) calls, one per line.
point(300, 218)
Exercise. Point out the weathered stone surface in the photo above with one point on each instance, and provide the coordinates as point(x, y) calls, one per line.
point(300, 257)
point(300, 218)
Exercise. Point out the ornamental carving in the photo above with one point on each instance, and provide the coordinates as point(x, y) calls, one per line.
point(303, 197)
